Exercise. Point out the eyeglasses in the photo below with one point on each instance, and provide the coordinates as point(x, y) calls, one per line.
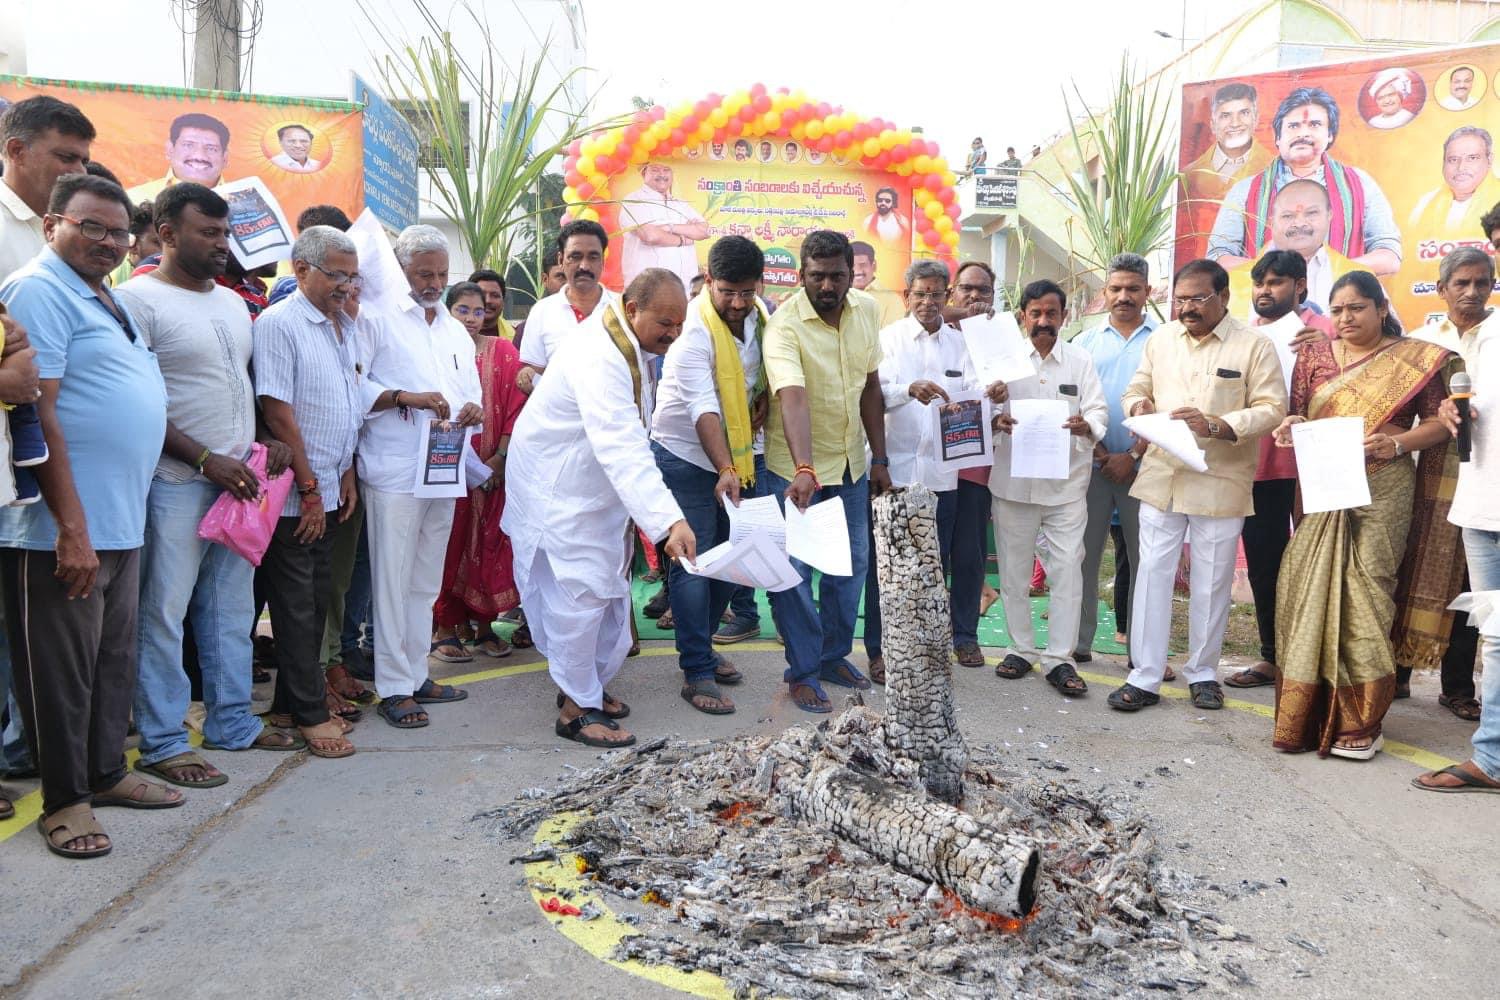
point(1192, 300)
point(982, 291)
point(746, 298)
point(97, 231)
point(928, 296)
point(341, 278)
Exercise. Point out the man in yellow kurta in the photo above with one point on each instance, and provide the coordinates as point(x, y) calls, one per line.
point(1235, 155)
point(1300, 217)
point(1469, 188)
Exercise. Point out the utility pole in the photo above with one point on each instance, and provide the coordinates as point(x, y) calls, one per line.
point(216, 45)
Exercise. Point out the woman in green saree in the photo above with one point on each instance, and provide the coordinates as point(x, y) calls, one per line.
point(1336, 596)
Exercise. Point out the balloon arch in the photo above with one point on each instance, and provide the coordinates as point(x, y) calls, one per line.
point(594, 163)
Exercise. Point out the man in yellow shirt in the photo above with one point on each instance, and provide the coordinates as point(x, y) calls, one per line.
point(822, 362)
point(1223, 380)
point(1468, 190)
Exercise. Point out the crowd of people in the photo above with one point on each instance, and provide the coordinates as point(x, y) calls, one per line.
point(608, 418)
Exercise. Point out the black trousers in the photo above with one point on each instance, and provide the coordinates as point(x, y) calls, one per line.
point(1122, 580)
point(1458, 659)
point(297, 580)
point(75, 695)
point(1265, 534)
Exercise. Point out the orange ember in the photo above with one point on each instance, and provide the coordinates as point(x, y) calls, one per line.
point(952, 906)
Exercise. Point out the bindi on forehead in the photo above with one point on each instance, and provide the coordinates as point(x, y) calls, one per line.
point(1306, 115)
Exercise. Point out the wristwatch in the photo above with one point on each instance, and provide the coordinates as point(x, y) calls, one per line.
point(881, 461)
point(1213, 427)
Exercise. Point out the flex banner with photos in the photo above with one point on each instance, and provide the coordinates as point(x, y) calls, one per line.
point(306, 152)
point(1381, 164)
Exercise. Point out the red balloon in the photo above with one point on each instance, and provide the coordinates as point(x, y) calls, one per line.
point(690, 123)
point(677, 137)
point(572, 179)
point(658, 113)
point(585, 189)
point(923, 223)
point(860, 132)
point(735, 126)
point(824, 109)
point(747, 113)
point(761, 104)
point(642, 118)
point(720, 134)
point(842, 139)
point(758, 90)
point(945, 196)
point(825, 144)
point(952, 209)
point(931, 238)
point(702, 108)
point(606, 164)
point(900, 153)
point(883, 161)
point(933, 183)
point(575, 148)
point(632, 133)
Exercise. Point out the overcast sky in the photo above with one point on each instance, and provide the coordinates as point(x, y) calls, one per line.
point(957, 69)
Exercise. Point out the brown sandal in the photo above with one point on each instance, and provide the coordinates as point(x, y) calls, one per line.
point(72, 822)
point(1465, 708)
point(135, 792)
point(322, 743)
point(341, 706)
point(348, 688)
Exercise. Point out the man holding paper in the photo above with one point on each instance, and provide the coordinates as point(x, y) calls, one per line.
point(924, 364)
point(822, 357)
point(580, 471)
point(703, 437)
point(420, 362)
point(1040, 482)
point(1223, 382)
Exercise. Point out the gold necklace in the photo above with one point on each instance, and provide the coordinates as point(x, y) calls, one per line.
point(1342, 347)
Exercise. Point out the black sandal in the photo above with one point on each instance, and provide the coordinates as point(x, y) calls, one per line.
point(1466, 708)
point(1207, 695)
point(727, 673)
point(706, 689)
point(593, 717)
point(1013, 667)
point(394, 711)
point(1129, 698)
point(1065, 678)
point(620, 713)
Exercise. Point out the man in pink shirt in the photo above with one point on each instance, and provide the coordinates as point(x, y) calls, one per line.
point(1279, 286)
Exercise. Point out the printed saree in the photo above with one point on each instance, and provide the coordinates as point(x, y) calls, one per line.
point(1338, 607)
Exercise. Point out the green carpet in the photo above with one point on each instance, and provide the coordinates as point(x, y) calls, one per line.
point(992, 631)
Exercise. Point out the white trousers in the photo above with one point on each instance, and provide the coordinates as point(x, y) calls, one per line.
point(408, 541)
point(1214, 541)
point(585, 639)
point(1054, 534)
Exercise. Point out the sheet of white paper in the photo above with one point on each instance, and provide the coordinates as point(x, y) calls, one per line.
point(820, 537)
point(1172, 436)
point(1483, 607)
point(1331, 464)
point(961, 433)
point(754, 560)
point(259, 233)
point(1281, 334)
point(439, 461)
point(385, 287)
point(757, 514)
point(1039, 443)
point(997, 347)
point(475, 469)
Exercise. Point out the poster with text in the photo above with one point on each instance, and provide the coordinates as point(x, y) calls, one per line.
point(774, 191)
point(1384, 164)
point(306, 152)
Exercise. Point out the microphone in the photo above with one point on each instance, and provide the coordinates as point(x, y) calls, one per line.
point(1461, 390)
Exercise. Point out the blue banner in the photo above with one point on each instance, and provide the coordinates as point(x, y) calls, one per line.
point(390, 159)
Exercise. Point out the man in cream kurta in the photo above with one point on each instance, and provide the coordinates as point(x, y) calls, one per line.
point(1056, 509)
point(579, 470)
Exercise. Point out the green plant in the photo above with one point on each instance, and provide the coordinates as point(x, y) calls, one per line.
point(1125, 205)
point(493, 134)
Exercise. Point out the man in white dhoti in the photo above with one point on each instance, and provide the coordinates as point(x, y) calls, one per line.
point(578, 472)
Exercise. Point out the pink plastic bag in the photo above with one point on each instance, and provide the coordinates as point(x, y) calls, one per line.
point(245, 526)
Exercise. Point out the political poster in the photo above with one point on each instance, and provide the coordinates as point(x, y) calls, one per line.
point(1383, 164)
point(774, 191)
point(306, 152)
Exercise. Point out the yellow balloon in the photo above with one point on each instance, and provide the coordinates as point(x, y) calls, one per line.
point(951, 238)
point(950, 178)
point(939, 165)
point(799, 98)
point(718, 117)
point(903, 137)
point(638, 155)
point(922, 164)
point(942, 224)
point(903, 169)
point(872, 147)
point(588, 148)
point(598, 180)
point(933, 210)
point(587, 214)
point(887, 138)
point(799, 131)
point(815, 129)
point(738, 100)
point(922, 196)
point(609, 144)
point(586, 164)
point(570, 196)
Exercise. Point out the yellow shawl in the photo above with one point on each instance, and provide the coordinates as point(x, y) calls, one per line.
point(729, 377)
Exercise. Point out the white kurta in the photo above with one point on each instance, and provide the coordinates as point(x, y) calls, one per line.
point(910, 354)
point(578, 471)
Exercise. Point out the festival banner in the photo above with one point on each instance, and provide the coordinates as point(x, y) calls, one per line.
point(307, 152)
point(1399, 151)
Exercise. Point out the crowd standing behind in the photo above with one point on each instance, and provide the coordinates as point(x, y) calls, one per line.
point(148, 375)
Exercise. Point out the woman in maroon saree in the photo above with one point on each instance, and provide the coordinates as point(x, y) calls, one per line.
point(478, 581)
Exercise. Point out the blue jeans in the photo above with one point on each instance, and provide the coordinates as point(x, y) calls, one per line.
point(1483, 551)
point(746, 611)
point(15, 755)
point(947, 510)
point(358, 609)
point(697, 602)
point(183, 576)
point(823, 632)
point(971, 516)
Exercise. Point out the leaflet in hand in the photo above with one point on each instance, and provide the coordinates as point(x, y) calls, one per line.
point(440, 466)
point(1172, 436)
point(961, 435)
point(1483, 607)
point(1040, 446)
point(754, 560)
point(820, 537)
point(1331, 464)
point(757, 514)
point(1281, 334)
point(997, 347)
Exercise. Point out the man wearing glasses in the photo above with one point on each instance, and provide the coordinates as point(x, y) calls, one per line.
point(420, 359)
point(1223, 380)
point(71, 564)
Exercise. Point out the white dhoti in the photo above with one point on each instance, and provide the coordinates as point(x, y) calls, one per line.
point(1214, 542)
point(1053, 533)
point(584, 637)
point(408, 542)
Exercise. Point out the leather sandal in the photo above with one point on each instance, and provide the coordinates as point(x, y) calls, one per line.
point(1129, 698)
point(1065, 678)
point(342, 681)
point(135, 792)
point(165, 770)
point(620, 713)
point(693, 690)
point(322, 743)
point(573, 730)
point(70, 823)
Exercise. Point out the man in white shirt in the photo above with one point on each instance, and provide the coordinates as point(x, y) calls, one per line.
point(296, 142)
point(661, 229)
point(703, 439)
point(420, 358)
point(923, 361)
point(578, 472)
point(1055, 508)
point(580, 247)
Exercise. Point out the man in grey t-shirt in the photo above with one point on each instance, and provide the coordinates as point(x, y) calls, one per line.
point(200, 333)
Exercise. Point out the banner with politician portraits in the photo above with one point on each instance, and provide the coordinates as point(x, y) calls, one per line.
point(1383, 164)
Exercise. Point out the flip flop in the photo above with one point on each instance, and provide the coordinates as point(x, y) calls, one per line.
point(441, 651)
point(333, 747)
point(259, 742)
point(1366, 754)
point(1470, 783)
point(7, 808)
point(1013, 667)
point(706, 689)
point(432, 693)
point(844, 674)
point(820, 707)
point(134, 792)
point(573, 730)
point(1249, 678)
point(163, 769)
point(622, 712)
